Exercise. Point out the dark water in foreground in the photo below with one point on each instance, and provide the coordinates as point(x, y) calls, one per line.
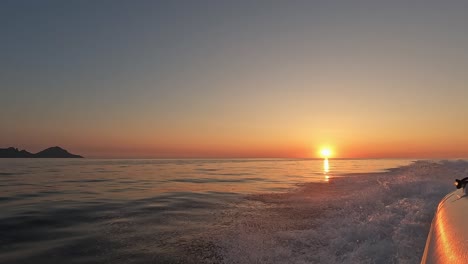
point(219, 211)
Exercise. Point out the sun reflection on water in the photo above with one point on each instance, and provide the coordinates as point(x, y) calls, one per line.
point(326, 169)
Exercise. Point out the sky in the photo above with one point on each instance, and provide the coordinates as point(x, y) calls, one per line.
point(235, 79)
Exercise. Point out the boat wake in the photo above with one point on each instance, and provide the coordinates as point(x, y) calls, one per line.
point(367, 218)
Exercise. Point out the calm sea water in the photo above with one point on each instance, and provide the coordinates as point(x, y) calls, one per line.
point(50, 183)
point(149, 211)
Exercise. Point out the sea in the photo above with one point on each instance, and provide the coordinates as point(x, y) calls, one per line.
point(220, 210)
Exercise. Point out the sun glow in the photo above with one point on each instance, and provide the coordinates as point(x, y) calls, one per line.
point(325, 153)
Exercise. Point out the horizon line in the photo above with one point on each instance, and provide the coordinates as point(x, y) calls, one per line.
point(278, 158)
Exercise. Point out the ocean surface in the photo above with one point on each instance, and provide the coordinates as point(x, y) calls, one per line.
point(219, 211)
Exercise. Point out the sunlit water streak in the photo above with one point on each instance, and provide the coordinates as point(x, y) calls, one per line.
point(162, 211)
point(326, 169)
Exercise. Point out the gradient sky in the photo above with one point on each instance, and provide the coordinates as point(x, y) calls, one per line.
point(235, 78)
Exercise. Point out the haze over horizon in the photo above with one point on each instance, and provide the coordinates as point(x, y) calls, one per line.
point(369, 79)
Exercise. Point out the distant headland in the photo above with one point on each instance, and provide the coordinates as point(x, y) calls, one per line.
point(53, 152)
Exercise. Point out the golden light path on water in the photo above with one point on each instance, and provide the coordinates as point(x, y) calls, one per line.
point(326, 169)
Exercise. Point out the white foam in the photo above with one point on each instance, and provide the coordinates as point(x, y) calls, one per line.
point(369, 218)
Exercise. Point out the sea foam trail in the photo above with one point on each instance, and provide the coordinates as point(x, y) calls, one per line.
point(369, 218)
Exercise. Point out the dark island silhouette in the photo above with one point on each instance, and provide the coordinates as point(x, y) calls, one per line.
point(53, 152)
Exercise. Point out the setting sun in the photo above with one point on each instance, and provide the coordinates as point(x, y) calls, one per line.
point(325, 152)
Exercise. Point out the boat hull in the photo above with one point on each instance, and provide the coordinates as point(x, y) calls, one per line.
point(447, 241)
